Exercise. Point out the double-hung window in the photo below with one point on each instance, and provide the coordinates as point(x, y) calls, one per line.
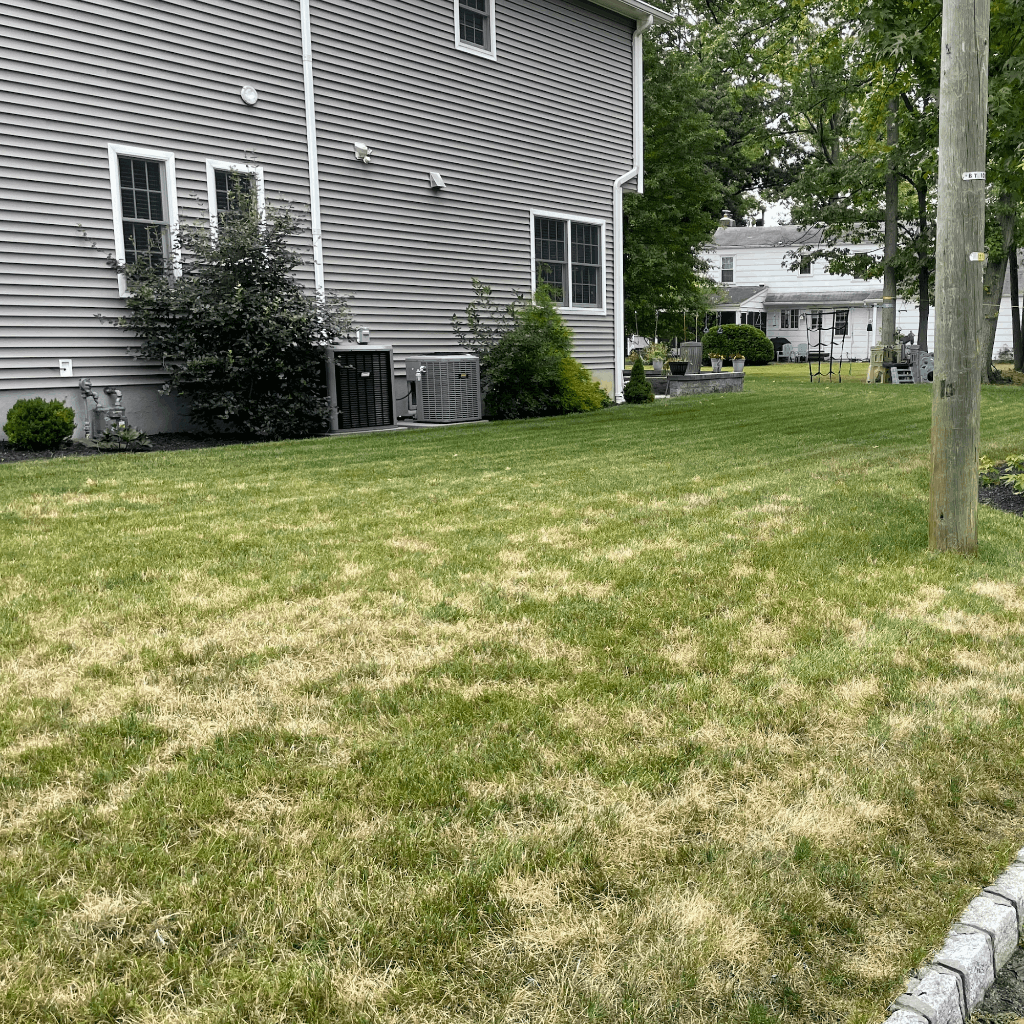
point(790, 319)
point(817, 322)
point(144, 199)
point(805, 265)
point(842, 321)
point(232, 186)
point(728, 269)
point(474, 26)
point(568, 257)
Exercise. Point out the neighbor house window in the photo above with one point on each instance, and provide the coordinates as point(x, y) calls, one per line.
point(145, 206)
point(790, 319)
point(842, 323)
point(805, 266)
point(231, 186)
point(474, 26)
point(568, 257)
point(727, 269)
point(815, 319)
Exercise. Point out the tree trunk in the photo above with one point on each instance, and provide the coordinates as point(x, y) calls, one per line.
point(956, 419)
point(887, 321)
point(1018, 345)
point(923, 274)
point(995, 275)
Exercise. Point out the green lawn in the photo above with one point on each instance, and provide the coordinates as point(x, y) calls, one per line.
point(658, 714)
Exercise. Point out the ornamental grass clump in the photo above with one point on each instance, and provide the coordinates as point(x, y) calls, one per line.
point(241, 338)
point(36, 424)
point(638, 388)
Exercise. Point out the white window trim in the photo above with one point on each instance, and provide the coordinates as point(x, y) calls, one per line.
point(115, 150)
point(732, 269)
point(211, 186)
point(569, 218)
point(492, 52)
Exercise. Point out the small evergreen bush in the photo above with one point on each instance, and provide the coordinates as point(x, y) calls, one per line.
point(240, 337)
point(36, 424)
point(526, 362)
point(638, 388)
point(743, 338)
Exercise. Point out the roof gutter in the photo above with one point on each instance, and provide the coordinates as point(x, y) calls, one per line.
point(637, 172)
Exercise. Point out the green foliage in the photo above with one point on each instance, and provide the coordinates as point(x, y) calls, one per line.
point(749, 342)
point(37, 424)
point(241, 338)
point(526, 362)
point(122, 438)
point(1009, 472)
point(638, 388)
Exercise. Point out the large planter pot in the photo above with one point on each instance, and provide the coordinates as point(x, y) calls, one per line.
point(737, 365)
point(716, 365)
point(677, 369)
point(659, 365)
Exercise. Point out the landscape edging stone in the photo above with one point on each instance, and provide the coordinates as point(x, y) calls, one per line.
point(949, 988)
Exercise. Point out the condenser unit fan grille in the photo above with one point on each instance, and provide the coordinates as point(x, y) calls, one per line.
point(364, 388)
point(448, 390)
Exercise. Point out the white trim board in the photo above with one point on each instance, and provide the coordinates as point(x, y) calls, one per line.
point(489, 54)
point(114, 150)
point(569, 218)
point(211, 186)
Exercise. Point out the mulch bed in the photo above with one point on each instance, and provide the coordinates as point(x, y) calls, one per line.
point(179, 442)
point(1002, 496)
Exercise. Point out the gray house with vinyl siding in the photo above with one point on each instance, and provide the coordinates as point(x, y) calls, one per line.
point(427, 141)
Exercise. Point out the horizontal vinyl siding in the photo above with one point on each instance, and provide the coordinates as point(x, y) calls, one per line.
point(157, 76)
point(547, 126)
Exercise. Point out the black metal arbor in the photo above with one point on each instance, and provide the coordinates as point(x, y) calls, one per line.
point(827, 329)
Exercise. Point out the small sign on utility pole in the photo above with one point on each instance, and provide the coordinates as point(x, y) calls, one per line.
point(959, 266)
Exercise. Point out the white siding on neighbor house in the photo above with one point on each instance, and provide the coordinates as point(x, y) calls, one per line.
point(547, 125)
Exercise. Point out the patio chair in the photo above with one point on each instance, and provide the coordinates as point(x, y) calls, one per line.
point(786, 353)
point(801, 352)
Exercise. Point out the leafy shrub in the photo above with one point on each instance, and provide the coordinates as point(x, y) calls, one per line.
point(751, 342)
point(638, 388)
point(241, 338)
point(122, 438)
point(36, 424)
point(578, 391)
point(526, 362)
point(1010, 472)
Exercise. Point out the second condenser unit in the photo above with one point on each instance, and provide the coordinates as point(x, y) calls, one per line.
point(447, 387)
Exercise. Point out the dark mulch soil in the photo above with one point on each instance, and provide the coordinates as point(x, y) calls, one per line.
point(1002, 496)
point(161, 443)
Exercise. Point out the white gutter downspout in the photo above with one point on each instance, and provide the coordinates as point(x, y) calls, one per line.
point(314, 198)
point(636, 171)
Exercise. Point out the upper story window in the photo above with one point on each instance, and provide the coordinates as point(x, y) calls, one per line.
point(232, 186)
point(145, 206)
point(568, 256)
point(805, 265)
point(727, 269)
point(474, 27)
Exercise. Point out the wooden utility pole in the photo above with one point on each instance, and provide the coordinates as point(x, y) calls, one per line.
point(959, 264)
point(887, 322)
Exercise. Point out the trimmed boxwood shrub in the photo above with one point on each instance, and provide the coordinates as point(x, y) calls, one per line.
point(36, 424)
point(638, 389)
point(731, 338)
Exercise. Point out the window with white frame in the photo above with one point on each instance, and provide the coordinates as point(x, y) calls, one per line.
point(816, 320)
point(727, 269)
point(842, 321)
point(805, 265)
point(790, 319)
point(474, 26)
point(145, 206)
point(568, 257)
point(232, 186)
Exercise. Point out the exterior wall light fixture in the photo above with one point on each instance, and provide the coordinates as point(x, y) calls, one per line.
point(250, 97)
point(361, 151)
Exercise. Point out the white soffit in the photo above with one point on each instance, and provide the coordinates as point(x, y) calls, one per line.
point(635, 9)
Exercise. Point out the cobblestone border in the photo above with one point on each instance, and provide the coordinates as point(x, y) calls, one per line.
point(949, 988)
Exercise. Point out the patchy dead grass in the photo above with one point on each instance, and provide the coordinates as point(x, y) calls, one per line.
point(568, 733)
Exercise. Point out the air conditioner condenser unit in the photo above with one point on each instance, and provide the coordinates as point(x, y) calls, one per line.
point(447, 387)
point(363, 377)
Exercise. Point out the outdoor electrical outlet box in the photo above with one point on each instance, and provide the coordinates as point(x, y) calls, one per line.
point(65, 367)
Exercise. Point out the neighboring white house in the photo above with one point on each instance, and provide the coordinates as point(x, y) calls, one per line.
point(750, 263)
